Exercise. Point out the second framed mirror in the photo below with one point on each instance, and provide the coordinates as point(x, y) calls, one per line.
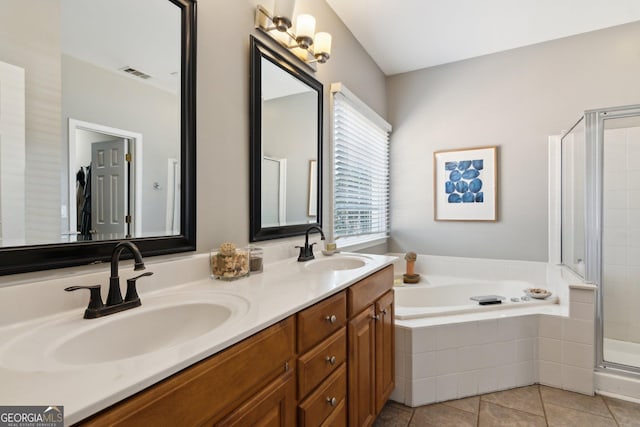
point(286, 146)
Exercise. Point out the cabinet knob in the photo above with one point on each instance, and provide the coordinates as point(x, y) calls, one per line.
point(331, 319)
point(331, 360)
point(375, 317)
point(384, 311)
point(332, 401)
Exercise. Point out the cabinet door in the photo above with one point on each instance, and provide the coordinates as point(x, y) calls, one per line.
point(274, 406)
point(361, 364)
point(385, 350)
point(208, 390)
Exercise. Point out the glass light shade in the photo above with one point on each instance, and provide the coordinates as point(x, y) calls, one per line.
point(305, 26)
point(284, 8)
point(322, 43)
point(282, 37)
point(301, 53)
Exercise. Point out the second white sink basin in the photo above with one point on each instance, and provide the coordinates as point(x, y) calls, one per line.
point(336, 263)
point(162, 322)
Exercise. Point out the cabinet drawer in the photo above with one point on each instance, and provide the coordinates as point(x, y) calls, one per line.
point(210, 389)
point(315, 365)
point(321, 320)
point(325, 400)
point(366, 291)
point(338, 417)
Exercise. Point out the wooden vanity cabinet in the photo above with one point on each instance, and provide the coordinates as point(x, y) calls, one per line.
point(371, 346)
point(271, 407)
point(321, 368)
point(330, 364)
point(256, 374)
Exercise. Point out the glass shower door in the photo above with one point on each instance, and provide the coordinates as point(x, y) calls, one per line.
point(620, 274)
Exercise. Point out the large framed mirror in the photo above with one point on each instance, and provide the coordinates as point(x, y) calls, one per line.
point(97, 130)
point(286, 147)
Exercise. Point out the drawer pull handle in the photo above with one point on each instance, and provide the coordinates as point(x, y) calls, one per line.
point(331, 360)
point(331, 319)
point(332, 401)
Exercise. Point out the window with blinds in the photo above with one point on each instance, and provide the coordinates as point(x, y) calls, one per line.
point(360, 169)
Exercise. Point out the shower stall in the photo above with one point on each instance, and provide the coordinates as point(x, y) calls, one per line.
point(600, 227)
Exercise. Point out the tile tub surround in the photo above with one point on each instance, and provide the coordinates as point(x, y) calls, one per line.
point(283, 288)
point(451, 357)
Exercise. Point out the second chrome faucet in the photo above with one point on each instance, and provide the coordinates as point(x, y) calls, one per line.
point(115, 303)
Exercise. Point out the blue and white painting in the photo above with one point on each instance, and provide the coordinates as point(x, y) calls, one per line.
point(464, 181)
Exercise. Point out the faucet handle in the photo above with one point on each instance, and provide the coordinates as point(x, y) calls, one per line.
point(95, 299)
point(132, 293)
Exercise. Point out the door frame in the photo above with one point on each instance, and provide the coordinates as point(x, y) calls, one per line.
point(282, 188)
point(135, 141)
point(172, 222)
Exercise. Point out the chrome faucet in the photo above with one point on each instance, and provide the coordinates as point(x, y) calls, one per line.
point(306, 251)
point(115, 303)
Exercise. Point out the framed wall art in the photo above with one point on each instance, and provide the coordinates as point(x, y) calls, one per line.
point(465, 184)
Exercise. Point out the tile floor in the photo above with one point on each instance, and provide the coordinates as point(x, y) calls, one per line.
point(535, 405)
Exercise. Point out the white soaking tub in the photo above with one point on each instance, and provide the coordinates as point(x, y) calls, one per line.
point(448, 346)
point(445, 295)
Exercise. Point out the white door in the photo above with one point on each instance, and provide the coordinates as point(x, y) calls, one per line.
point(108, 189)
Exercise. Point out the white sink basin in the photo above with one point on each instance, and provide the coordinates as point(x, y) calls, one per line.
point(162, 322)
point(142, 332)
point(336, 263)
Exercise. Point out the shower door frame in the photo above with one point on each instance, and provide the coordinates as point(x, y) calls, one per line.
point(594, 153)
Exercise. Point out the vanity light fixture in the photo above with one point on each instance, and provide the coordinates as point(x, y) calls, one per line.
point(304, 43)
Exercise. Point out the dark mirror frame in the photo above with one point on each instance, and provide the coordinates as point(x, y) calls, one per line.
point(22, 259)
point(256, 232)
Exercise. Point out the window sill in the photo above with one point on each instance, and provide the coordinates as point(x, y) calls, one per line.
point(351, 244)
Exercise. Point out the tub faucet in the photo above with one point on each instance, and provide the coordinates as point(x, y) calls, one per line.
point(306, 251)
point(115, 303)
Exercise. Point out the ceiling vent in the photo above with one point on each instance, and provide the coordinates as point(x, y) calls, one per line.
point(137, 73)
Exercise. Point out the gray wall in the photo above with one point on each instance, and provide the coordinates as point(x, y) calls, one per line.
point(513, 99)
point(223, 119)
point(223, 105)
point(38, 52)
point(153, 112)
point(289, 132)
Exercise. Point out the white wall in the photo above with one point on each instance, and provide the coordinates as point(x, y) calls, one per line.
point(515, 100)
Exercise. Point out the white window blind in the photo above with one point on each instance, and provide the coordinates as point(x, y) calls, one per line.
point(360, 169)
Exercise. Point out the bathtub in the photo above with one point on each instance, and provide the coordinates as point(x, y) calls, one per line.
point(449, 347)
point(447, 295)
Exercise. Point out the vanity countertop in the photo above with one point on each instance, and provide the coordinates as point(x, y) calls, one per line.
point(284, 288)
